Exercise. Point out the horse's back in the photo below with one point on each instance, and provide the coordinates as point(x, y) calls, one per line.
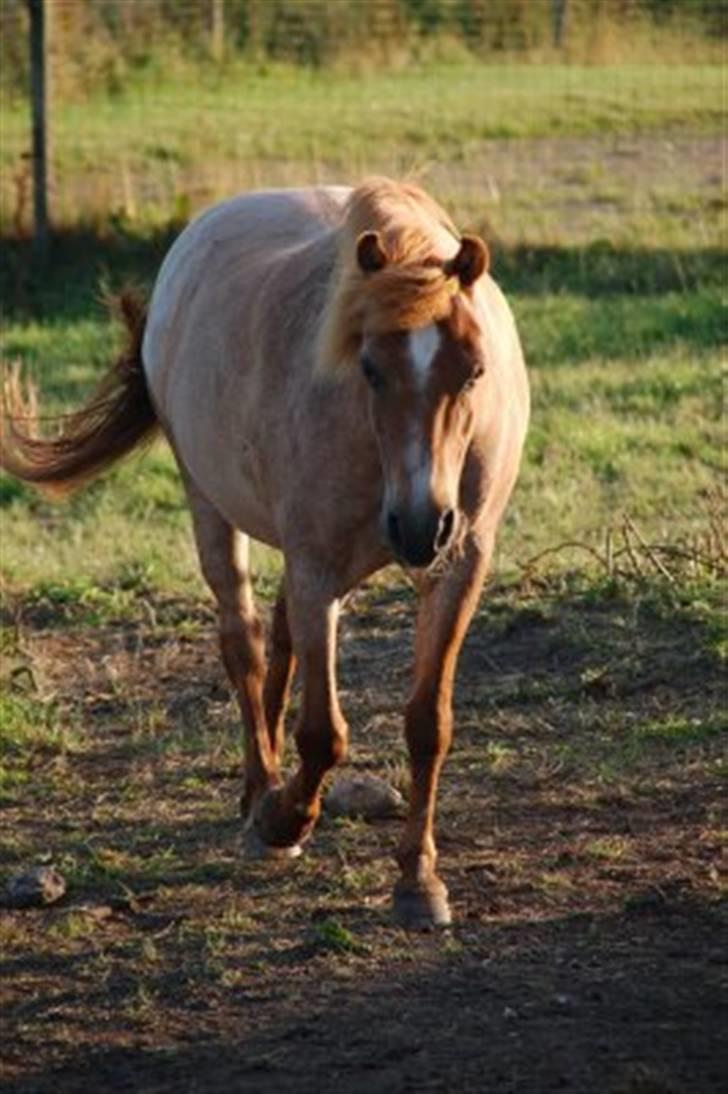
point(268, 220)
point(219, 392)
point(232, 246)
point(269, 217)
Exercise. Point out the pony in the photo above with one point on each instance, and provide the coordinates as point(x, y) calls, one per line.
point(339, 377)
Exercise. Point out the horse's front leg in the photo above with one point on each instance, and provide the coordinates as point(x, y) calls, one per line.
point(446, 608)
point(286, 815)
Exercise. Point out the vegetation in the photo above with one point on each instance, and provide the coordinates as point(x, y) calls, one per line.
point(157, 36)
point(610, 253)
point(161, 149)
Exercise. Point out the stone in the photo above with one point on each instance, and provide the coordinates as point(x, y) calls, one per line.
point(363, 795)
point(35, 888)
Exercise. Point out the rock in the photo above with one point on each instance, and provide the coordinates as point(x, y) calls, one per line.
point(35, 888)
point(363, 795)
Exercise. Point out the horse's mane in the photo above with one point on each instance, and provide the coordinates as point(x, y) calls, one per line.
point(410, 291)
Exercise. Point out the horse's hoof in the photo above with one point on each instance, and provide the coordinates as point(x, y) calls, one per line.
point(422, 907)
point(280, 825)
point(256, 849)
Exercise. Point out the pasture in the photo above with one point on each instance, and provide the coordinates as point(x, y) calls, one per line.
point(580, 827)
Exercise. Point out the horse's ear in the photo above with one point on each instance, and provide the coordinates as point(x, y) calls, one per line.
point(471, 261)
point(370, 253)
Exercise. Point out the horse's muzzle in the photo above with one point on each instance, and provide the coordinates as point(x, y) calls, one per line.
point(418, 538)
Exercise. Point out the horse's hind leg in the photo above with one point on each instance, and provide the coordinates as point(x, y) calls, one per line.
point(281, 667)
point(446, 608)
point(223, 553)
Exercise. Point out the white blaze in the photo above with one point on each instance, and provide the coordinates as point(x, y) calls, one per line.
point(417, 465)
point(423, 346)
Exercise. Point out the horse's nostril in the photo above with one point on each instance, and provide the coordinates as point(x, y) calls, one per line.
point(445, 529)
point(393, 530)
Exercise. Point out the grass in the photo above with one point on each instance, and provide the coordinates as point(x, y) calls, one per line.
point(627, 418)
point(607, 243)
point(166, 146)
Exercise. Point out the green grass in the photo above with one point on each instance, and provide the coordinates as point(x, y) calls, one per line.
point(159, 147)
point(29, 733)
point(627, 417)
point(616, 276)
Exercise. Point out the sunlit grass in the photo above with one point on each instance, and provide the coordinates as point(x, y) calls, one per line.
point(168, 145)
point(621, 314)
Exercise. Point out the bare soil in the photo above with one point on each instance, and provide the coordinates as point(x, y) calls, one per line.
point(574, 185)
point(581, 848)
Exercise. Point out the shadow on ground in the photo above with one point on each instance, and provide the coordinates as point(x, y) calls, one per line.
point(627, 1004)
point(79, 258)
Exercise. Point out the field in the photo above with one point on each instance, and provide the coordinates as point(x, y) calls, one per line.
point(580, 826)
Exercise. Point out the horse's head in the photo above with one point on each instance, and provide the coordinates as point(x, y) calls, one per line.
point(423, 382)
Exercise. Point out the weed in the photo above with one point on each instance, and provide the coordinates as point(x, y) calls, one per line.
point(675, 730)
point(608, 848)
point(330, 935)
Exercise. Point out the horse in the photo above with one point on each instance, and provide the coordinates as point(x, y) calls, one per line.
point(338, 376)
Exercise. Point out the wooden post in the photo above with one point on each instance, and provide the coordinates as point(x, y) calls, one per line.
point(39, 103)
point(217, 30)
point(558, 8)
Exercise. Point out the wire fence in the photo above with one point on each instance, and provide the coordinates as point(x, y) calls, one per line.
point(98, 41)
point(523, 109)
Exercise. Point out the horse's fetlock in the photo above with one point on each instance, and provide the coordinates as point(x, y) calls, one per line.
point(417, 863)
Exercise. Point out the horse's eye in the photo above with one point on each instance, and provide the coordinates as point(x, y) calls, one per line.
point(373, 376)
point(472, 379)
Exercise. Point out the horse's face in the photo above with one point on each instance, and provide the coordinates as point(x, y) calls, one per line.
point(425, 387)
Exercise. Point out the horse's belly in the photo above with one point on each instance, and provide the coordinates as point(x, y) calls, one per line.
point(231, 482)
point(247, 513)
point(214, 445)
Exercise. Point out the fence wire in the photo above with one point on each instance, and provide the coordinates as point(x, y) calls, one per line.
point(542, 117)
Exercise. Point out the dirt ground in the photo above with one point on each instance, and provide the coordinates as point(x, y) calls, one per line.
point(579, 835)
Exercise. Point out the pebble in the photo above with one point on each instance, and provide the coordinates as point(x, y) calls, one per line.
point(35, 888)
point(363, 795)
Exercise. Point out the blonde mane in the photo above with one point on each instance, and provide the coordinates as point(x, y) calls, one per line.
point(410, 291)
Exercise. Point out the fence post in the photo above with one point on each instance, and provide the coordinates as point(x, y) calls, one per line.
point(217, 30)
point(39, 101)
point(558, 11)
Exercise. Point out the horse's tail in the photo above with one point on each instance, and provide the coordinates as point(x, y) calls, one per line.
point(117, 417)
